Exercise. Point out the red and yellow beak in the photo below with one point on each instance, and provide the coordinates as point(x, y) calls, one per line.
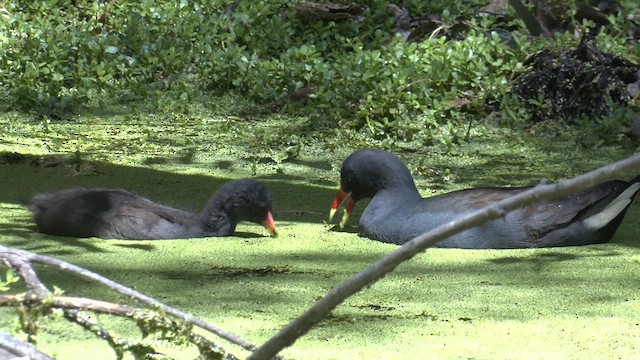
point(340, 198)
point(270, 225)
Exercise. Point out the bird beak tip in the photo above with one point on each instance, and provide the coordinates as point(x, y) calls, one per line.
point(345, 218)
point(332, 213)
point(270, 225)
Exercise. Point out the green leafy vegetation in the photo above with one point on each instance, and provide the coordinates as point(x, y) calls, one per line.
point(9, 279)
point(60, 58)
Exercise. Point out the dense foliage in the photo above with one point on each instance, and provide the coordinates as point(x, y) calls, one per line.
point(58, 57)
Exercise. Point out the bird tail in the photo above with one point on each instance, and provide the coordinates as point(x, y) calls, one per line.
point(615, 208)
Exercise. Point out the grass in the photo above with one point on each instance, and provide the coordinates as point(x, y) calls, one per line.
point(562, 303)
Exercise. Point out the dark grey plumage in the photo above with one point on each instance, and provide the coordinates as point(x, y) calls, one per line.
point(397, 212)
point(119, 214)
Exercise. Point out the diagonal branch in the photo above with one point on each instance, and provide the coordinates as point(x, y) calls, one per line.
point(20, 262)
point(25, 257)
point(13, 348)
point(528, 18)
point(76, 317)
point(298, 327)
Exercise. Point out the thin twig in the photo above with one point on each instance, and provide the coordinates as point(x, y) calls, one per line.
point(76, 317)
point(77, 303)
point(72, 306)
point(300, 326)
point(26, 257)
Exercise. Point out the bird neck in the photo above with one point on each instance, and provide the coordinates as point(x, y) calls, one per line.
point(400, 182)
point(400, 195)
point(217, 222)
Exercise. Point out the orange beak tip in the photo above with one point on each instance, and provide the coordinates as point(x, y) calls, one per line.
point(270, 224)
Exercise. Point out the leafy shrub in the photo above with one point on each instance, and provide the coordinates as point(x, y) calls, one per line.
point(57, 57)
point(362, 76)
point(384, 90)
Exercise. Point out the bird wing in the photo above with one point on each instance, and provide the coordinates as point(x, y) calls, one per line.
point(546, 216)
point(140, 219)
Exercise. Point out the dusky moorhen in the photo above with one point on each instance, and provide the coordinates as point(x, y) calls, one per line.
point(397, 213)
point(119, 214)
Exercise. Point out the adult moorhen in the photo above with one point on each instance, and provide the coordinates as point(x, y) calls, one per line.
point(397, 213)
point(118, 214)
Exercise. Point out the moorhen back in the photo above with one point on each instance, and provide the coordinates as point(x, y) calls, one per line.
point(397, 213)
point(119, 214)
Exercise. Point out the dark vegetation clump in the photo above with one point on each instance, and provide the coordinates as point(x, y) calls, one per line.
point(575, 83)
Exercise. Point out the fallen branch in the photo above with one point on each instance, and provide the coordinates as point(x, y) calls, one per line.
point(21, 260)
point(13, 348)
point(76, 317)
point(39, 296)
point(67, 302)
point(301, 325)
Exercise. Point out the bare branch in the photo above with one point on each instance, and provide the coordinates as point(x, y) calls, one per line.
point(77, 303)
point(76, 317)
point(18, 258)
point(20, 263)
point(12, 348)
point(298, 327)
point(72, 305)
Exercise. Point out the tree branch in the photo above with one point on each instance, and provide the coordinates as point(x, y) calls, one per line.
point(529, 19)
point(11, 348)
point(298, 327)
point(76, 317)
point(19, 258)
point(20, 263)
point(77, 303)
point(73, 305)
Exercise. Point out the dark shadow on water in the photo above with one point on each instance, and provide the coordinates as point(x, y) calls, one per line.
point(16, 230)
point(223, 164)
point(322, 165)
point(59, 246)
point(145, 247)
point(249, 235)
point(549, 257)
point(83, 244)
point(185, 191)
point(347, 229)
point(321, 182)
point(218, 272)
point(536, 258)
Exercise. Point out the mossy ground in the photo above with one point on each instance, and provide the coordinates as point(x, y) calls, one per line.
point(562, 303)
